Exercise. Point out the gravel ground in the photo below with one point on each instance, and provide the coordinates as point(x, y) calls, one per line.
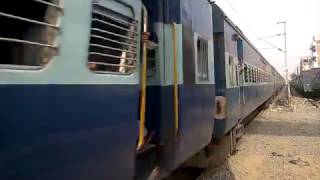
point(279, 144)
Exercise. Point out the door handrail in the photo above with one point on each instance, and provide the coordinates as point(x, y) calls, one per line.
point(143, 84)
point(175, 79)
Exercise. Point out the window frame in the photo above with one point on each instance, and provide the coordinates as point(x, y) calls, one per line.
point(231, 68)
point(251, 74)
point(209, 63)
point(246, 73)
point(233, 71)
point(138, 49)
point(47, 26)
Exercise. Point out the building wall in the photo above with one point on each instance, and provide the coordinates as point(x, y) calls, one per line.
point(317, 44)
point(306, 63)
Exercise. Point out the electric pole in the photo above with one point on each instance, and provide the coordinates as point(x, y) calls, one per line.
point(286, 59)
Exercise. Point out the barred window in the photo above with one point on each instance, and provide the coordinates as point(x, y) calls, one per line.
point(256, 70)
point(202, 59)
point(259, 75)
point(246, 73)
point(233, 72)
point(28, 37)
point(251, 74)
point(113, 41)
point(237, 74)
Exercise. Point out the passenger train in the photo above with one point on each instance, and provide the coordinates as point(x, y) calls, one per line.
point(121, 89)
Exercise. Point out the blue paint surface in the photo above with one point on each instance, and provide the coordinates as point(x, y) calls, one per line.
point(68, 131)
point(233, 108)
point(166, 11)
point(196, 120)
point(196, 101)
point(255, 96)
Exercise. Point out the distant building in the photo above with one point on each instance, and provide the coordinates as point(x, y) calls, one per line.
point(313, 60)
point(317, 41)
point(306, 63)
point(315, 51)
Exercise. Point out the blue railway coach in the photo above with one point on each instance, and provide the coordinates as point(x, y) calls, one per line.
point(244, 78)
point(121, 89)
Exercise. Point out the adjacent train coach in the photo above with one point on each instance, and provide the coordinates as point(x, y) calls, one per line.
point(308, 82)
point(244, 78)
point(121, 89)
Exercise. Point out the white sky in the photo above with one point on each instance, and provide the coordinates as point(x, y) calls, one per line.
point(258, 18)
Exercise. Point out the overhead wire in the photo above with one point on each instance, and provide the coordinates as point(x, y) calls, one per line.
point(249, 27)
point(253, 34)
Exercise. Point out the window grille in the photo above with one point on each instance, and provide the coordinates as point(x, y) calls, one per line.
point(252, 71)
point(259, 75)
point(232, 71)
point(251, 74)
point(246, 73)
point(28, 36)
point(113, 42)
point(202, 59)
point(237, 75)
point(255, 75)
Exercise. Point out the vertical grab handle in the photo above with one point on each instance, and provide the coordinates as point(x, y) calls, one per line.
point(143, 84)
point(175, 79)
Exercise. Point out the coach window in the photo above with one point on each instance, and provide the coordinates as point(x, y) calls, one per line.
point(113, 41)
point(259, 76)
point(246, 78)
point(237, 74)
point(28, 37)
point(254, 74)
point(202, 59)
point(251, 74)
point(248, 73)
point(232, 71)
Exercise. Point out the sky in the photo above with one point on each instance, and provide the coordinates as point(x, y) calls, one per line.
point(258, 18)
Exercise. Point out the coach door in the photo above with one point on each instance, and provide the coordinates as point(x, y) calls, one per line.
point(241, 74)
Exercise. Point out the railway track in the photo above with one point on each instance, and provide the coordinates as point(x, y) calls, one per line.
point(314, 103)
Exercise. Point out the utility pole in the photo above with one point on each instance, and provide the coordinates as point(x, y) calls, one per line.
point(286, 59)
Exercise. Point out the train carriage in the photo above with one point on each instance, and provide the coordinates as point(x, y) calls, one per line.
point(308, 82)
point(176, 129)
point(121, 89)
point(244, 79)
point(67, 110)
point(71, 101)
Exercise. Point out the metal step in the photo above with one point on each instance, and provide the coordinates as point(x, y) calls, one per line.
point(239, 131)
